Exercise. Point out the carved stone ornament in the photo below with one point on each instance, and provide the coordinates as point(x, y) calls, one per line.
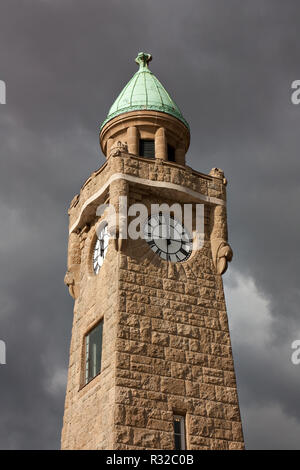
point(70, 282)
point(118, 149)
point(218, 173)
point(224, 255)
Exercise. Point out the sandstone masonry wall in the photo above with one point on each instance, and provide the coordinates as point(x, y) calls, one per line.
point(166, 342)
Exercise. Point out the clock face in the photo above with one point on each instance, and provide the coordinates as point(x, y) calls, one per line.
point(100, 249)
point(168, 238)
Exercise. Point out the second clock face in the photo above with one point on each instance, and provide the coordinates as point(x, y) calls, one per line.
point(100, 249)
point(168, 238)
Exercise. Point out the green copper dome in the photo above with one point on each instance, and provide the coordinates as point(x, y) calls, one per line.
point(144, 92)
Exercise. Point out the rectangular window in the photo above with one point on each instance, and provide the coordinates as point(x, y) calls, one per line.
point(171, 153)
point(179, 432)
point(147, 148)
point(93, 350)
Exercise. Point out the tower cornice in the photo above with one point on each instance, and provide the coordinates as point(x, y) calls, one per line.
point(165, 177)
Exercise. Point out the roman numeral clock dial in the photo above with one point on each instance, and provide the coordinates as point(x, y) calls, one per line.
point(168, 238)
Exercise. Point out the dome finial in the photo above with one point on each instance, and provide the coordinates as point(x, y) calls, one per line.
point(143, 59)
point(144, 92)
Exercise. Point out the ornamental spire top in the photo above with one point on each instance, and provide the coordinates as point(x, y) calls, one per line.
point(144, 92)
point(143, 60)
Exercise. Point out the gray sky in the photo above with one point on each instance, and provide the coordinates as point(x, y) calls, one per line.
point(229, 66)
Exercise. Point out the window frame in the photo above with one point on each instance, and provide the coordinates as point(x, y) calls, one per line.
point(87, 356)
point(182, 434)
point(140, 148)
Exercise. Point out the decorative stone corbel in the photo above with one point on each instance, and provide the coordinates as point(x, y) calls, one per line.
point(117, 225)
point(70, 282)
point(222, 254)
point(74, 260)
point(118, 149)
point(220, 248)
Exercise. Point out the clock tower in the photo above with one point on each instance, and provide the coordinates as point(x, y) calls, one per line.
point(151, 363)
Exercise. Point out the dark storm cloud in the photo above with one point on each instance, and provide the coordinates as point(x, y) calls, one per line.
point(229, 65)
